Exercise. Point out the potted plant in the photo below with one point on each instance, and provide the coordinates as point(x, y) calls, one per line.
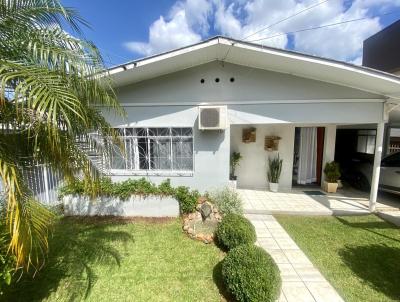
point(234, 162)
point(274, 173)
point(332, 175)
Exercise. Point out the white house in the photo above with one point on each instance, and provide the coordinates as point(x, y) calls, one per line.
point(300, 98)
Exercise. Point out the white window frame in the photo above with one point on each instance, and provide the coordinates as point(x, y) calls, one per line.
point(132, 170)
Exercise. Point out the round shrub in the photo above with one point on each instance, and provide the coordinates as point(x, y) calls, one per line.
point(250, 274)
point(235, 230)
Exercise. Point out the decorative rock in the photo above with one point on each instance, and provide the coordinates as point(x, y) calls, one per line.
point(205, 211)
point(201, 200)
point(200, 237)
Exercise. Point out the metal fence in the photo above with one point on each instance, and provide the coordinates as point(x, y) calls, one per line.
point(42, 181)
point(394, 148)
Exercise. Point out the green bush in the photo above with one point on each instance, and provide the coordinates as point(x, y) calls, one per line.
point(251, 275)
point(235, 230)
point(332, 171)
point(227, 201)
point(187, 199)
point(7, 261)
point(123, 190)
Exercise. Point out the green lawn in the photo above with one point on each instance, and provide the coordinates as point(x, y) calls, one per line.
point(114, 261)
point(359, 255)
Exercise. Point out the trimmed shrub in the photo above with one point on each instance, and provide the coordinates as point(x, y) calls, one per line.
point(235, 230)
point(251, 275)
point(187, 199)
point(227, 201)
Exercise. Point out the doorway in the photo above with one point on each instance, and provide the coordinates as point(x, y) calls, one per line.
point(308, 155)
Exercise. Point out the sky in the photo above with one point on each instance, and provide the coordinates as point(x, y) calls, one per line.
point(125, 30)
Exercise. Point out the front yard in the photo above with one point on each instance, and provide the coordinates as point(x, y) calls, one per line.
point(111, 260)
point(359, 255)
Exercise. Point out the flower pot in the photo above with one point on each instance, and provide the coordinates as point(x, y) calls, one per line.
point(330, 187)
point(233, 184)
point(273, 187)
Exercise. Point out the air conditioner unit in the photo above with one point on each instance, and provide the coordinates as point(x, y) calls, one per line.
point(213, 117)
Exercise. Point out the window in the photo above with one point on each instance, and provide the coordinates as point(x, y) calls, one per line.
point(153, 149)
point(366, 141)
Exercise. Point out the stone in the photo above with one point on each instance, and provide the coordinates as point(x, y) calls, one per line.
point(200, 237)
point(218, 217)
point(201, 200)
point(186, 227)
point(205, 211)
point(215, 209)
point(190, 231)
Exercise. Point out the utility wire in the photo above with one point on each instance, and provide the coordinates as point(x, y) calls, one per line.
point(287, 18)
point(278, 22)
point(323, 26)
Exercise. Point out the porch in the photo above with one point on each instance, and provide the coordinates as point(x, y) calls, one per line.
point(313, 201)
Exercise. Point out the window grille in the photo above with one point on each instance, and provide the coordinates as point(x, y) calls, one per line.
point(152, 149)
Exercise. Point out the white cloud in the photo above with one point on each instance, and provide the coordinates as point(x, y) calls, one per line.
point(166, 35)
point(190, 21)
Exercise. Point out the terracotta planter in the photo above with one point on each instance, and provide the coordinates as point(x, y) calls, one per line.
point(330, 187)
point(273, 187)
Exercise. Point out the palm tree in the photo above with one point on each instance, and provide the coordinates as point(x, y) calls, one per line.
point(51, 83)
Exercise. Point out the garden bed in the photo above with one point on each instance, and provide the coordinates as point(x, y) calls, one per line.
point(136, 205)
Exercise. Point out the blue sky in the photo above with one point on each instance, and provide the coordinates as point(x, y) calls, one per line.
point(125, 30)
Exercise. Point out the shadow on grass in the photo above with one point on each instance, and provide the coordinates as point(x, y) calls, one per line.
point(77, 245)
point(217, 277)
point(377, 265)
point(371, 226)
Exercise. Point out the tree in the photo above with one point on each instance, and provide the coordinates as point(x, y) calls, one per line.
point(51, 83)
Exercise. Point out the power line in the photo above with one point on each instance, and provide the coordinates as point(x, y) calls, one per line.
point(322, 26)
point(283, 20)
point(278, 22)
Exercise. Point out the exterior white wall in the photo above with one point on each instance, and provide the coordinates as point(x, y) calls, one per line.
point(271, 101)
point(252, 171)
point(211, 148)
point(250, 84)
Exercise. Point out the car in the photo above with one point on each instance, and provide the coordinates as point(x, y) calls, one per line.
point(359, 175)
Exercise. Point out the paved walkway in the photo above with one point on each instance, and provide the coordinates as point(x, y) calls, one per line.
point(301, 281)
point(297, 202)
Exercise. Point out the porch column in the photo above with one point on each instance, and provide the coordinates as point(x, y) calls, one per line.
point(377, 166)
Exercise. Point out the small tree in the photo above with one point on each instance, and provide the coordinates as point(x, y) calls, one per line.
point(235, 159)
point(332, 172)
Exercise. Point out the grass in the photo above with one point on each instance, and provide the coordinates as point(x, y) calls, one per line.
point(359, 255)
point(108, 260)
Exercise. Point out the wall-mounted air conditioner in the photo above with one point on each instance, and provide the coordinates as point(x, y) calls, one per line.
point(213, 117)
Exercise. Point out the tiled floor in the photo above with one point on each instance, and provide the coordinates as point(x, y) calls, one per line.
point(301, 281)
point(295, 201)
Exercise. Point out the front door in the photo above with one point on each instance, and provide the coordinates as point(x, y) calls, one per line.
point(308, 155)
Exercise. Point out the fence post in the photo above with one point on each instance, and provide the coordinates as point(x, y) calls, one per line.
point(46, 184)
